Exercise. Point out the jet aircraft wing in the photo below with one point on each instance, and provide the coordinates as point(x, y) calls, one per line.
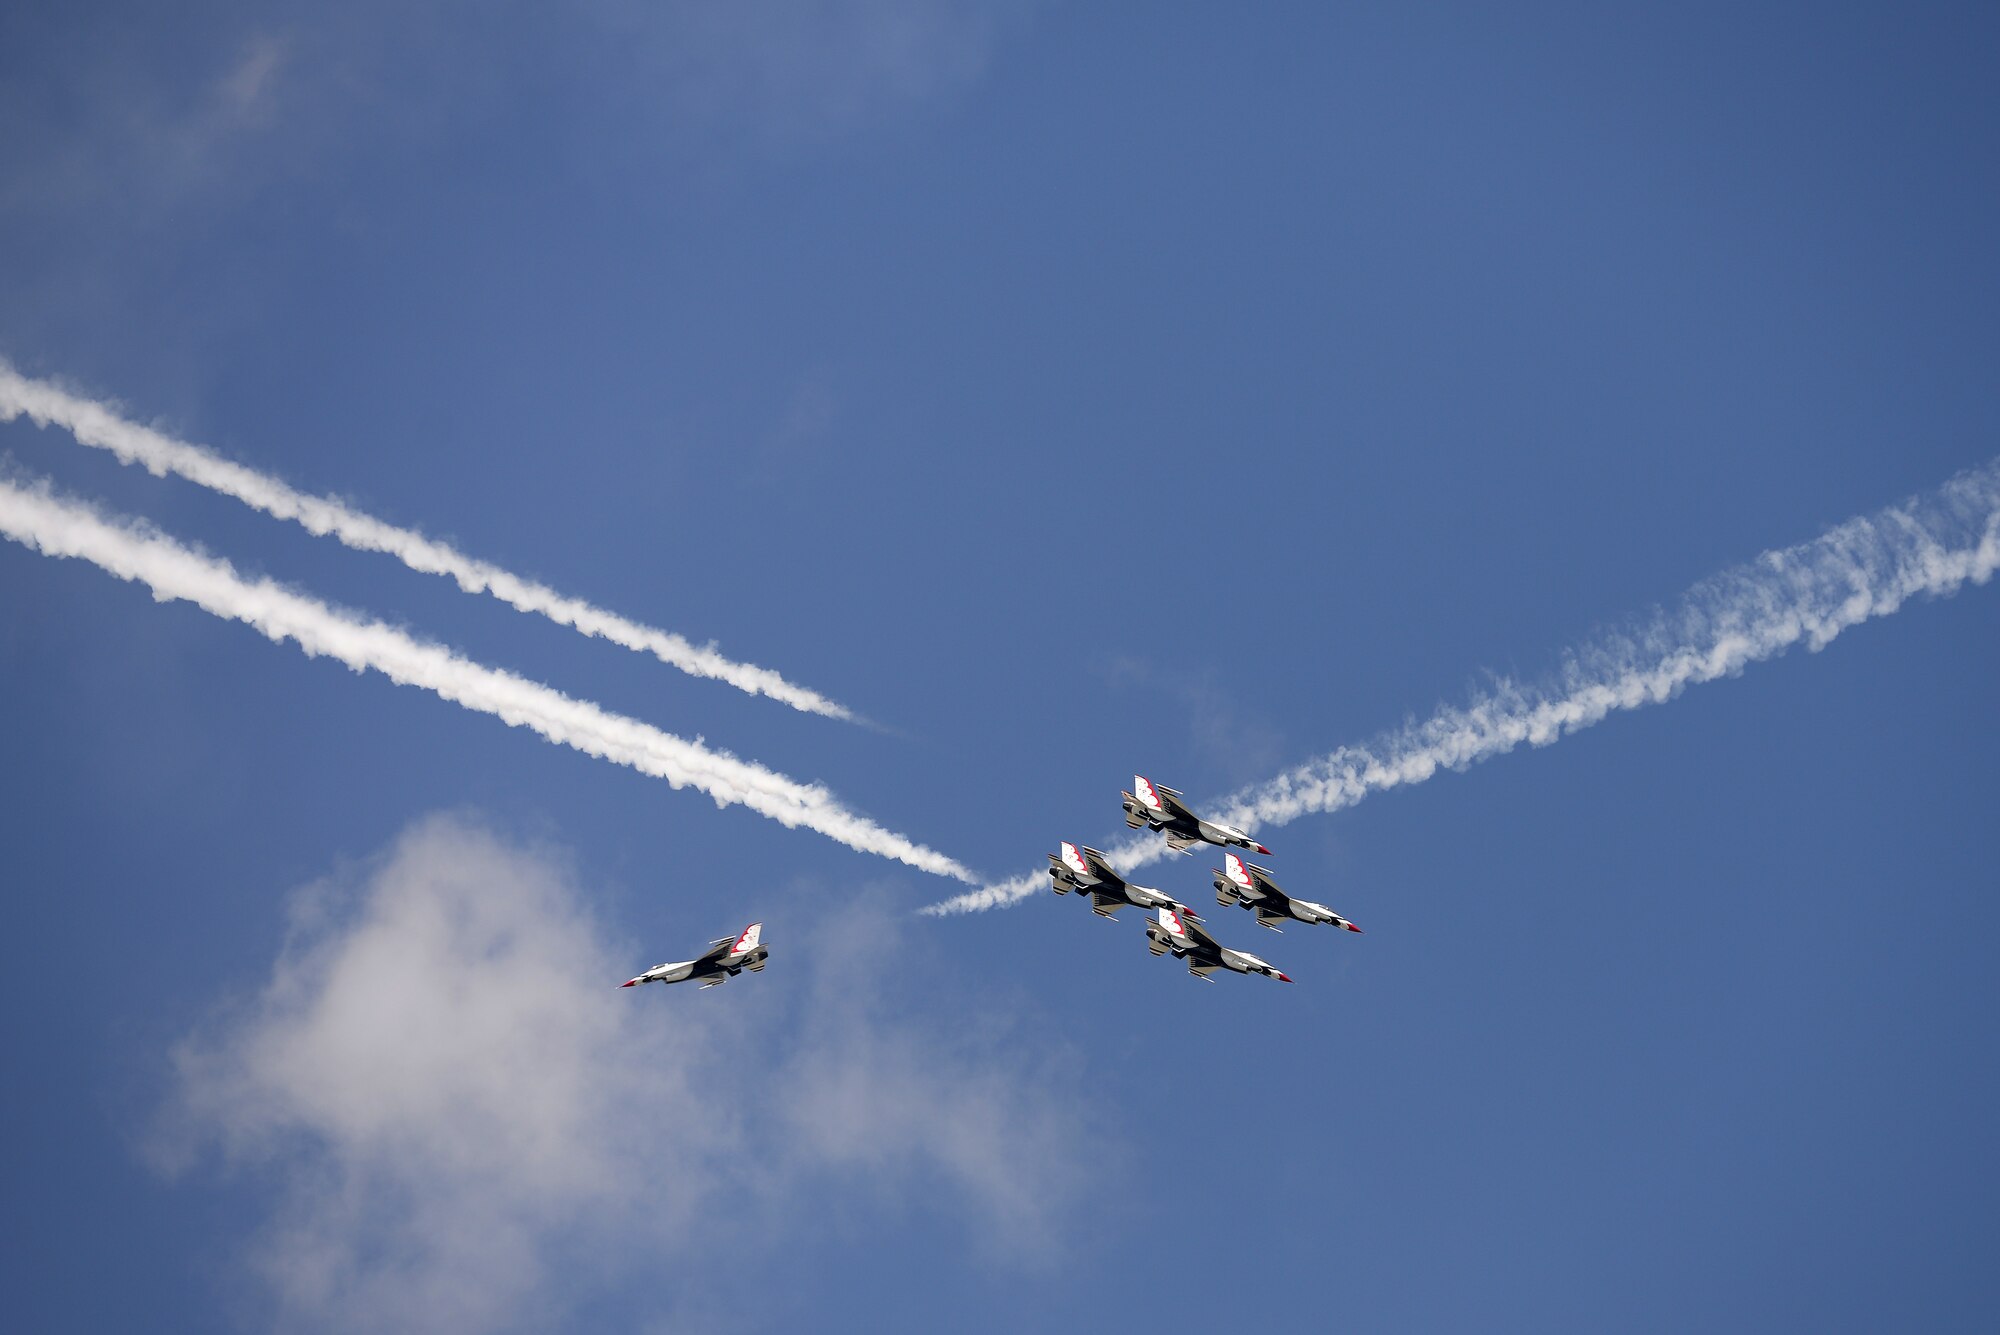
point(1096, 866)
point(1195, 932)
point(1170, 800)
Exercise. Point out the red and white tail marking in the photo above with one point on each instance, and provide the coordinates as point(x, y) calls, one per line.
point(1233, 868)
point(748, 941)
point(1074, 860)
point(1172, 922)
point(1142, 788)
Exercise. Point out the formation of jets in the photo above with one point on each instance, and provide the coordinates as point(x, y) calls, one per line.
point(1173, 929)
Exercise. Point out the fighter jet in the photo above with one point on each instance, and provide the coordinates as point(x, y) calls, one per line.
point(1244, 883)
point(1161, 808)
point(726, 957)
point(1190, 942)
point(1085, 871)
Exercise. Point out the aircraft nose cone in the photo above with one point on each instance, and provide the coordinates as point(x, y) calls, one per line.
point(1281, 978)
point(628, 982)
point(1352, 928)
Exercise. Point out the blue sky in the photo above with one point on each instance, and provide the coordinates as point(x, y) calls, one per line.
point(1070, 390)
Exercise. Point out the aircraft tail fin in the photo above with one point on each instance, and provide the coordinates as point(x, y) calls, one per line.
point(1147, 795)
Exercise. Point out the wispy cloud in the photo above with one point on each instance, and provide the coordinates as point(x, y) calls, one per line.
point(99, 426)
point(36, 518)
point(809, 69)
point(107, 120)
point(453, 1101)
point(1228, 737)
point(1931, 546)
point(198, 112)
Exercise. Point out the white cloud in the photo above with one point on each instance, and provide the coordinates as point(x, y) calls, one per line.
point(174, 115)
point(247, 89)
point(807, 69)
point(452, 1095)
point(106, 120)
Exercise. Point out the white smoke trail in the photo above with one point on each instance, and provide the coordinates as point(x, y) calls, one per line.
point(1867, 567)
point(35, 518)
point(98, 426)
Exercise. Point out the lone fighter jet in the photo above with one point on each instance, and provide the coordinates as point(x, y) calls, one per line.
point(1189, 942)
point(1251, 886)
point(1161, 808)
point(1085, 871)
point(726, 957)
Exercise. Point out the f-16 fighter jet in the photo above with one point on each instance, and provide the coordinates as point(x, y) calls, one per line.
point(1240, 882)
point(726, 957)
point(1085, 871)
point(1189, 942)
point(1161, 808)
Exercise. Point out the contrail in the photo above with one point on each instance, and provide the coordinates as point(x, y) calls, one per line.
point(96, 425)
point(37, 519)
point(1866, 568)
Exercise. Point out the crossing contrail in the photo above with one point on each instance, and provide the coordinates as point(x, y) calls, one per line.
point(1930, 545)
point(97, 425)
point(34, 517)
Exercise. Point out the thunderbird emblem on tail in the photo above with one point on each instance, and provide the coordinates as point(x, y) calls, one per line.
point(1152, 806)
point(725, 957)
